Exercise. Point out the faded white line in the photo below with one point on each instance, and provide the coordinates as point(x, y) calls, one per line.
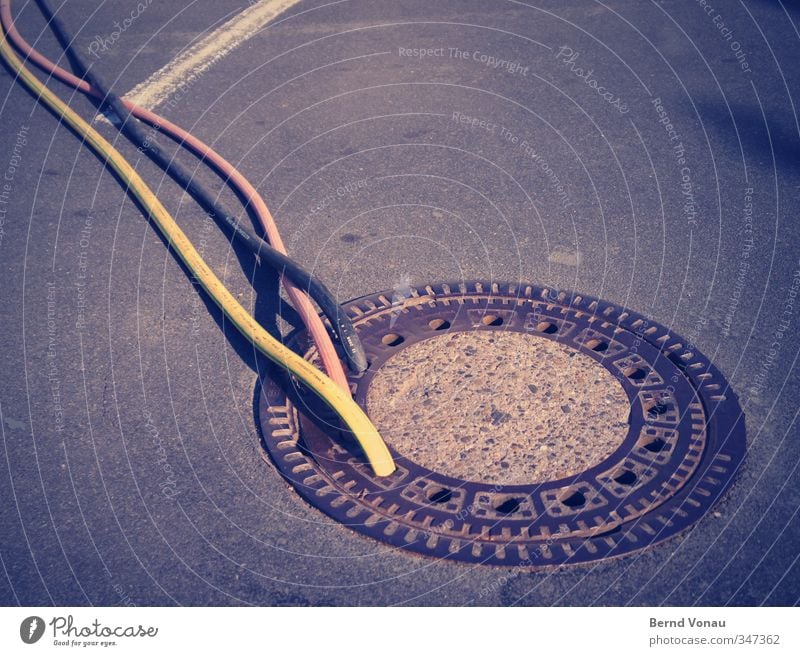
point(191, 63)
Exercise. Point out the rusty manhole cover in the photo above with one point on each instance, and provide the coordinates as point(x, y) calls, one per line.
point(635, 434)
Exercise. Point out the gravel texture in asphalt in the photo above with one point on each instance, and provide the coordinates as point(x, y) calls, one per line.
point(499, 408)
point(647, 153)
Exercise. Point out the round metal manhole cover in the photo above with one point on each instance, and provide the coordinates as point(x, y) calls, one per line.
point(529, 427)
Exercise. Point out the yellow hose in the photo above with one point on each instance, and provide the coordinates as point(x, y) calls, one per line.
point(367, 435)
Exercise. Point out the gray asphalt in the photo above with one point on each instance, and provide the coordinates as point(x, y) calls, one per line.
point(132, 470)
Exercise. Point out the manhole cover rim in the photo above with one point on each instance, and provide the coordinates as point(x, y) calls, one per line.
point(678, 511)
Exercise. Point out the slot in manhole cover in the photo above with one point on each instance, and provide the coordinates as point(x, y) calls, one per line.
point(529, 427)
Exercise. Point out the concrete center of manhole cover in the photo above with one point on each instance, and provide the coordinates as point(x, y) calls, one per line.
point(496, 407)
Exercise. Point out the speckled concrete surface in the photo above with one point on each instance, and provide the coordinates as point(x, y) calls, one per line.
point(498, 407)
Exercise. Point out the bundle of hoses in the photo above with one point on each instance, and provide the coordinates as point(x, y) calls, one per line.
point(277, 259)
point(333, 391)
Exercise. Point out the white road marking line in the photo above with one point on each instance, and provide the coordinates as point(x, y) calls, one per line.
point(185, 68)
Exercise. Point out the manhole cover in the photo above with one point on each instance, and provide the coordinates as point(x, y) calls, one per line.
point(529, 428)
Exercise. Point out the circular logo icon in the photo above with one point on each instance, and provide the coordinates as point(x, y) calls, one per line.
point(31, 629)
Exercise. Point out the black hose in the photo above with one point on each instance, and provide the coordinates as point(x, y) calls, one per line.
point(341, 323)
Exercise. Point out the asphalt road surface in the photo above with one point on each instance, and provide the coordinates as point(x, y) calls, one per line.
point(647, 153)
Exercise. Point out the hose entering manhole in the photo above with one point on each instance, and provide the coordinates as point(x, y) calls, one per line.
point(529, 428)
point(499, 407)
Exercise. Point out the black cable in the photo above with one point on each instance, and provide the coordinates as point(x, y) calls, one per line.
point(341, 323)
